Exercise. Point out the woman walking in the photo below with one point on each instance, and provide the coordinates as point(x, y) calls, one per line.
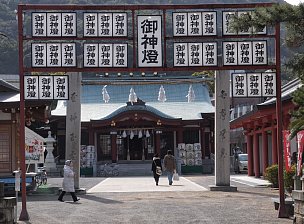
point(156, 168)
point(68, 181)
point(169, 165)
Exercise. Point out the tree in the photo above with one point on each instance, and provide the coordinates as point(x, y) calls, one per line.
point(292, 17)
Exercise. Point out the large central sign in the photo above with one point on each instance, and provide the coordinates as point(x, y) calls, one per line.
point(149, 42)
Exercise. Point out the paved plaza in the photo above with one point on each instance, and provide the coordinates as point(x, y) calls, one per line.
point(137, 200)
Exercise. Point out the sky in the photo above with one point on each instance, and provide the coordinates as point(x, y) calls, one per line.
point(294, 2)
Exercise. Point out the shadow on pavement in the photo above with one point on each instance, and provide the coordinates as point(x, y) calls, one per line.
point(102, 200)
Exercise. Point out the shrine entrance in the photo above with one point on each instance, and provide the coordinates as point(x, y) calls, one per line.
point(136, 40)
point(136, 148)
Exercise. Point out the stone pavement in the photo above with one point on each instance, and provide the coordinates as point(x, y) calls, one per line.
point(144, 184)
point(137, 200)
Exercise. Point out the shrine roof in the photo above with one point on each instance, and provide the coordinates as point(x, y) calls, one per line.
point(176, 106)
point(287, 91)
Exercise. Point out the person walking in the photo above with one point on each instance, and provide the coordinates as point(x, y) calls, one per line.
point(169, 165)
point(156, 168)
point(68, 181)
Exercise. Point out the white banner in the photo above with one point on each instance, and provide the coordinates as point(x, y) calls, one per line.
point(53, 24)
point(53, 58)
point(69, 22)
point(230, 53)
point(38, 55)
point(90, 55)
point(181, 54)
point(209, 54)
point(105, 21)
point(259, 52)
point(269, 84)
point(90, 24)
point(227, 17)
point(38, 24)
point(68, 54)
point(244, 53)
point(61, 87)
point(31, 88)
point(120, 21)
point(239, 85)
point(209, 23)
point(120, 53)
point(195, 54)
point(180, 23)
point(149, 41)
point(105, 55)
point(53, 55)
point(195, 24)
point(46, 87)
point(254, 82)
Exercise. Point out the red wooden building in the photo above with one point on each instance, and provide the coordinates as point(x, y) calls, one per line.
point(260, 130)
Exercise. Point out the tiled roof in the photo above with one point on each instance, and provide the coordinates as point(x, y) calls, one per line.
point(176, 106)
point(287, 91)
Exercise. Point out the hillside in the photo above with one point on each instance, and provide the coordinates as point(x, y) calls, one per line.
point(8, 23)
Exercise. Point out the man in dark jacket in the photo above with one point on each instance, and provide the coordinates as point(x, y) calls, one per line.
point(169, 165)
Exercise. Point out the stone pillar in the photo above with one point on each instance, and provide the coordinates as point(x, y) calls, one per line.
point(180, 137)
point(157, 142)
point(91, 136)
point(250, 154)
point(274, 146)
point(203, 143)
point(73, 124)
point(114, 146)
point(50, 164)
point(256, 157)
point(222, 132)
point(265, 150)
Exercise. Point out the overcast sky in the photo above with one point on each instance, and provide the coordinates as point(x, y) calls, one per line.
point(294, 2)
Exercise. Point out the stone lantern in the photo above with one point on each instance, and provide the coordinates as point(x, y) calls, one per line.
point(50, 164)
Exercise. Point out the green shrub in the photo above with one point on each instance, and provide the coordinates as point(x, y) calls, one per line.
point(271, 174)
point(288, 178)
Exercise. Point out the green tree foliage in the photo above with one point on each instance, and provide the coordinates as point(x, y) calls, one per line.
point(293, 19)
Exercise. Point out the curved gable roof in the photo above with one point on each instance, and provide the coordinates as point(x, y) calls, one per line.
point(141, 108)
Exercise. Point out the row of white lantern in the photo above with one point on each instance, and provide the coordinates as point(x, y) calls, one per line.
point(161, 95)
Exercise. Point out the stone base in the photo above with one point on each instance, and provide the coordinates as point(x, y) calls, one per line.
point(223, 188)
point(289, 205)
point(298, 197)
point(7, 209)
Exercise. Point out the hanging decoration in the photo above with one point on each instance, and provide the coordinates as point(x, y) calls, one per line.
point(162, 94)
point(131, 134)
point(191, 95)
point(124, 134)
point(105, 94)
point(132, 96)
point(140, 134)
point(147, 134)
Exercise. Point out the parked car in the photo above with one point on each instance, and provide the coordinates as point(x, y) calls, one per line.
point(241, 163)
